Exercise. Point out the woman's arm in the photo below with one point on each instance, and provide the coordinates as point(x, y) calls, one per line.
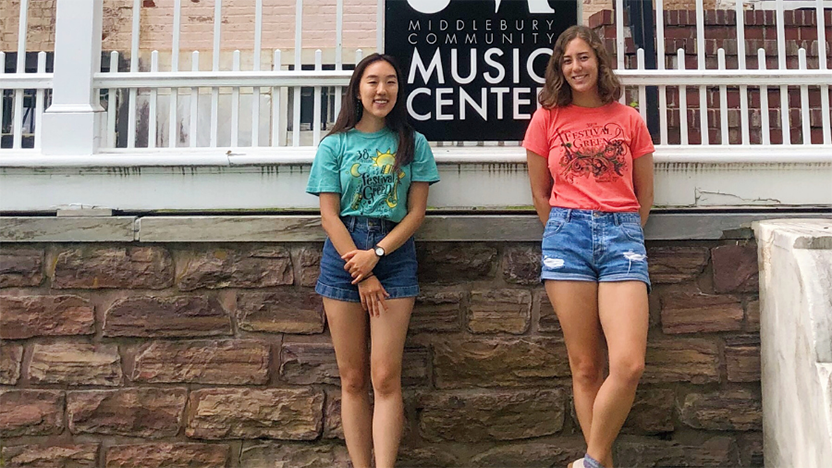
point(417, 204)
point(332, 224)
point(541, 182)
point(361, 262)
point(643, 185)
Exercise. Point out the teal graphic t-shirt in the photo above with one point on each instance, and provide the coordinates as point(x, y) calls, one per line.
point(359, 166)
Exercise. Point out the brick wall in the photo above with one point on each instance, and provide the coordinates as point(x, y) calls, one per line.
point(590, 7)
point(720, 32)
point(41, 25)
point(197, 25)
point(238, 23)
point(185, 355)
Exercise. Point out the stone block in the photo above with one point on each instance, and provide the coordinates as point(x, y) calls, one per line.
point(243, 413)
point(25, 412)
point(735, 269)
point(20, 267)
point(178, 316)
point(560, 452)
point(743, 358)
point(437, 310)
point(236, 268)
point(676, 264)
point(521, 265)
point(287, 310)
point(752, 315)
point(314, 363)
point(262, 454)
point(309, 363)
point(58, 456)
point(309, 265)
point(229, 362)
point(455, 262)
point(719, 451)
point(168, 455)
point(532, 361)
point(502, 310)
point(492, 416)
point(333, 429)
point(10, 357)
point(547, 321)
point(725, 410)
point(75, 364)
point(652, 412)
point(681, 360)
point(751, 449)
point(131, 412)
point(427, 457)
point(686, 312)
point(24, 317)
point(93, 267)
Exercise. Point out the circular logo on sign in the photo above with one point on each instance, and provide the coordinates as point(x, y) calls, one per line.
point(428, 7)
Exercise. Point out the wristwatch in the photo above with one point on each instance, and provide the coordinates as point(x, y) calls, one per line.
point(379, 250)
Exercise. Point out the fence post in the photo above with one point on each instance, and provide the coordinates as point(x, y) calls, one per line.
point(72, 124)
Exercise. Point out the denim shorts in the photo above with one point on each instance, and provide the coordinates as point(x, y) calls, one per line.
point(600, 246)
point(396, 271)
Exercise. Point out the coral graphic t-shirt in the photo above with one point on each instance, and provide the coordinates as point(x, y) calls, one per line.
point(590, 154)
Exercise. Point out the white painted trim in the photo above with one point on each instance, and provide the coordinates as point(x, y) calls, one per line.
point(246, 78)
point(26, 81)
point(464, 186)
point(188, 157)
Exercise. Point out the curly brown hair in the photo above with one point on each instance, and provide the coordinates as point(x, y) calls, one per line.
point(556, 91)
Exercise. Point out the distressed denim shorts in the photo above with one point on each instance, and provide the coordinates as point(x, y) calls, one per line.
point(600, 246)
point(396, 271)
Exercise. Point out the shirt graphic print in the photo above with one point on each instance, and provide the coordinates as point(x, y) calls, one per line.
point(361, 168)
point(596, 152)
point(377, 179)
point(590, 153)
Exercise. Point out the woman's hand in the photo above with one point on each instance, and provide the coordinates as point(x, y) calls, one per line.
point(373, 296)
point(360, 263)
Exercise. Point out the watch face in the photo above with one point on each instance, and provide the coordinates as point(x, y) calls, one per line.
point(379, 251)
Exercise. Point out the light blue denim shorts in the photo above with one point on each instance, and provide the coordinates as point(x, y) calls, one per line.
point(600, 246)
point(396, 271)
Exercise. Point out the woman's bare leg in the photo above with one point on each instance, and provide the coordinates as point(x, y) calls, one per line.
point(348, 328)
point(387, 336)
point(623, 310)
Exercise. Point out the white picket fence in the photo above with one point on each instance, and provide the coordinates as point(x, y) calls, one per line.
point(173, 109)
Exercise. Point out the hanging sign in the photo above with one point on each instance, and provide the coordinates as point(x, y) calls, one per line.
point(474, 67)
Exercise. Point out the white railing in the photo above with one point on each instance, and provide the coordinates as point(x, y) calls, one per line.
point(741, 79)
point(266, 95)
point(178, 105)
point(18, 82)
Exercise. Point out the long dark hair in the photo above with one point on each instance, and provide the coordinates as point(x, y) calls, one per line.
point(396, 120)
point(556, 91)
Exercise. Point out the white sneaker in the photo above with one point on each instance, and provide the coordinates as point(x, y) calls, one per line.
point(579, 463)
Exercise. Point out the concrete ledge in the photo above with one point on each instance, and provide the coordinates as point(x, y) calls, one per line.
point(67, 229)
point(230, 229)
point(795, 259)
point(518, 227)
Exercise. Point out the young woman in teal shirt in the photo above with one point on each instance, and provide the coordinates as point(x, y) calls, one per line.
point(372, 173)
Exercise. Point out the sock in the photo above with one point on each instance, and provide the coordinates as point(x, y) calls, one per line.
point(590, 462)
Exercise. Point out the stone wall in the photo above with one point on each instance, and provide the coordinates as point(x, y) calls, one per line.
point(217, 355)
